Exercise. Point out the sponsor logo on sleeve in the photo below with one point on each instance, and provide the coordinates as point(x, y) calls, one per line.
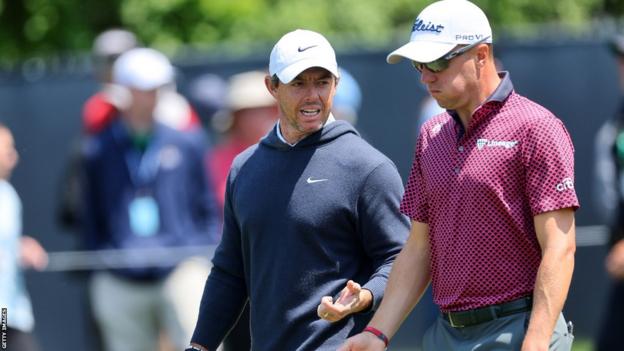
point(566, 184)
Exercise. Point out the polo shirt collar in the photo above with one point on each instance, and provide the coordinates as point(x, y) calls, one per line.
point(493, 102)
point(504, 89)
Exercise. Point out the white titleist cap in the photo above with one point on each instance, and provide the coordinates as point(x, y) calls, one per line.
point(143, 69)
point(442, 26)
point(299, 50)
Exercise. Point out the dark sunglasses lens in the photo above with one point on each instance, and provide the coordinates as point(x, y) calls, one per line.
point(438, 65)
point(435, 66)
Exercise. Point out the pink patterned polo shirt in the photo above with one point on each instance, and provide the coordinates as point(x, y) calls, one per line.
point(478, 191)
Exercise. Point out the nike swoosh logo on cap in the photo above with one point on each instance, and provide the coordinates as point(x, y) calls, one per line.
point(300, 49)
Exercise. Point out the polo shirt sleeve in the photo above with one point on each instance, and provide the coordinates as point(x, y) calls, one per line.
point(414, 203)
point(549, 162)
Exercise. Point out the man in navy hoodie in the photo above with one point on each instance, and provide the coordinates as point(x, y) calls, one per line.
point(311, 223)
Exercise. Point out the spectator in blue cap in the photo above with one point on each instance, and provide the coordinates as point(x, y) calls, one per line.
point(348, 98)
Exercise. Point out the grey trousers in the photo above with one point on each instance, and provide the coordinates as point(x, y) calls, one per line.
point(130, 315)
point(503, 334)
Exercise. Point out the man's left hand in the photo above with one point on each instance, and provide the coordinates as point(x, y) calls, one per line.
point(352, 299)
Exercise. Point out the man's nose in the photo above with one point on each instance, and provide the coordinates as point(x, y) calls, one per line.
point(312, 92)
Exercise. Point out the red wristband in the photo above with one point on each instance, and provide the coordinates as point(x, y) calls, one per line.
point(378, 334)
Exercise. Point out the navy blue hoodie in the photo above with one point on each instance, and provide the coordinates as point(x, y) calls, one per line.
point(299, 223)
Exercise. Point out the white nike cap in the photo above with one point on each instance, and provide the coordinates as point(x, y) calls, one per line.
point(143, 69)
point(299, 50)
point(442, 26)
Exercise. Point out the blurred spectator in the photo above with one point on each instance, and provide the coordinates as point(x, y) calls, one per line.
point(101, 108)
point(609, 196)
point(172, 109)
point(250, 112)
point(16, 251)
point(207, 94)
point(98, 112)
point(145, 187)
point(428, 108)
point(348, 98)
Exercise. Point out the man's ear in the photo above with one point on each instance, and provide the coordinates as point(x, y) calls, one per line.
point(483, 52)
point(268, 82)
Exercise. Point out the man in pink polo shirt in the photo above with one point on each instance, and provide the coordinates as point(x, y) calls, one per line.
point(491, 197)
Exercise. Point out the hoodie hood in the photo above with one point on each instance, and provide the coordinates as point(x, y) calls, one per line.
point(323, 136)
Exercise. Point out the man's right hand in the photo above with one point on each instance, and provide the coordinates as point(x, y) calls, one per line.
point(363, 342)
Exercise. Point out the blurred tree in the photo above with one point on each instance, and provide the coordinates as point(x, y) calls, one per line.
point(168, 23)
point(40, 27)
point(614, 7)
point(30, 27)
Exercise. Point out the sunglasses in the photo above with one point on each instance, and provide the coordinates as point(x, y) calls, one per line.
point(442, 63)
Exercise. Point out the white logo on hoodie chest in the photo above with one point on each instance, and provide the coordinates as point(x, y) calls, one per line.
point(312, 181)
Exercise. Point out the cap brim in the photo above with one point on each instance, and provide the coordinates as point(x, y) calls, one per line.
point(289, 73)
point(420, 51)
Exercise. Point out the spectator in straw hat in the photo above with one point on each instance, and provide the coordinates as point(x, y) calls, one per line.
point(249, 114)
